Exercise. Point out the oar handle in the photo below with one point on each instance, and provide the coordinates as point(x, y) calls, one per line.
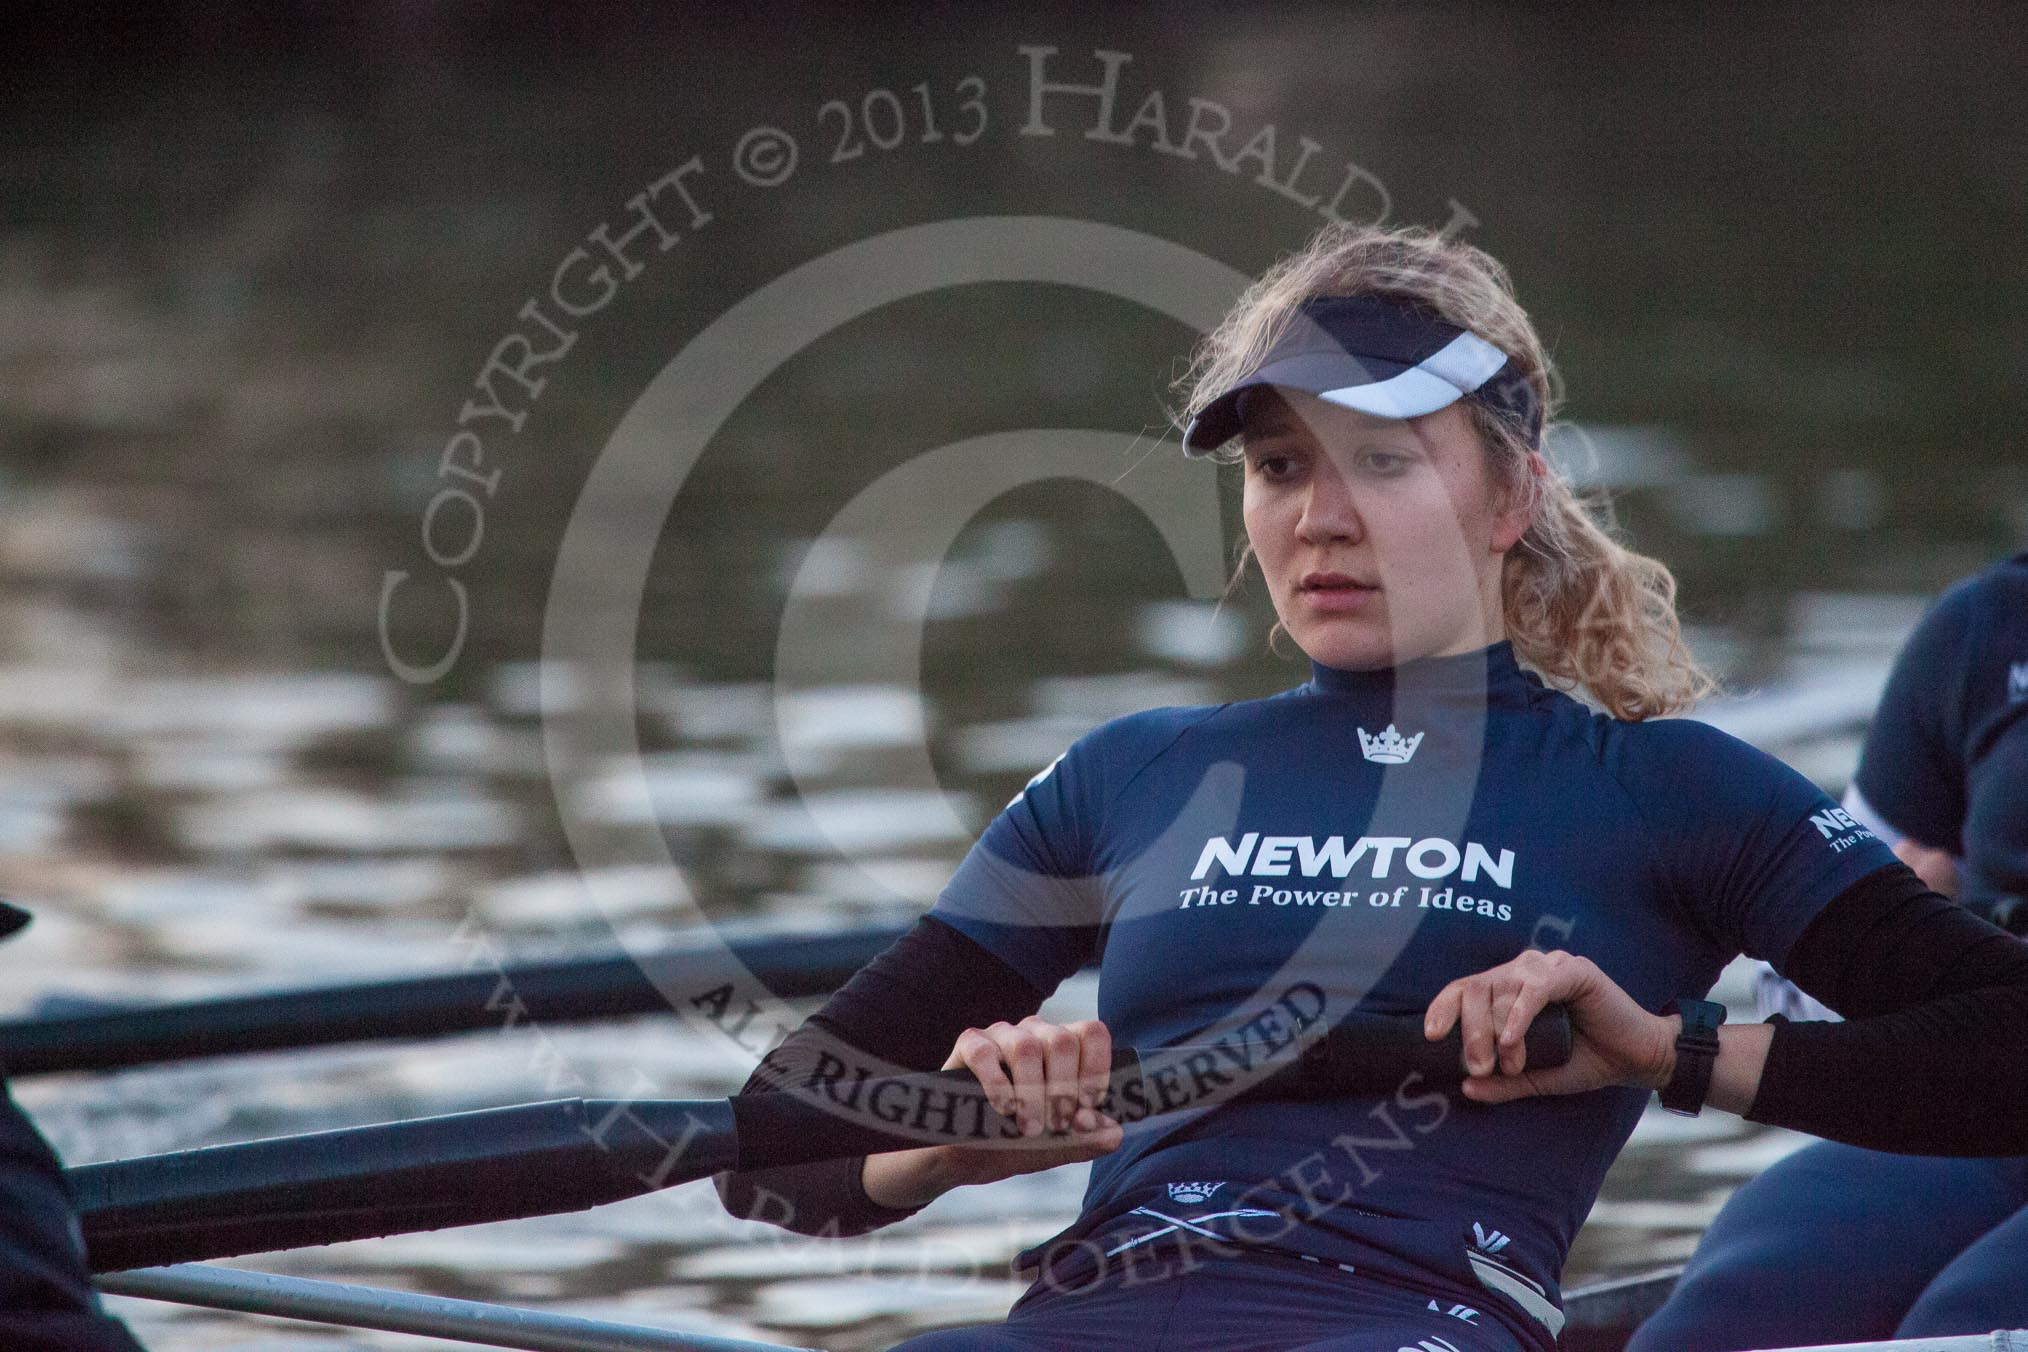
point(831, 1109)
point(1376, 1053)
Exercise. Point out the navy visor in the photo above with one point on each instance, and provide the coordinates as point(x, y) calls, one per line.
point(1379, 356)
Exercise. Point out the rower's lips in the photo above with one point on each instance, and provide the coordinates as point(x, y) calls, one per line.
point(1338, 600)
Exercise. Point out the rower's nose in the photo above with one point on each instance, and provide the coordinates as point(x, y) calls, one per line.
point(1331, 513)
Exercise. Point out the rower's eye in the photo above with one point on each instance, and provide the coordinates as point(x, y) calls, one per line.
point(1273, 466)
point(1383, 462)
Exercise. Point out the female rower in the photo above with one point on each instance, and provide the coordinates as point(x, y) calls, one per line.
point(1429, 825)
point(1874, 1245)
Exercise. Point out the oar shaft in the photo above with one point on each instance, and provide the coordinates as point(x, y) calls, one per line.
point(554, 991)
point(570, 1154)
point(533, 1159)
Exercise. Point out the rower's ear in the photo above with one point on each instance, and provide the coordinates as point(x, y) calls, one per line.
point(1515, 500)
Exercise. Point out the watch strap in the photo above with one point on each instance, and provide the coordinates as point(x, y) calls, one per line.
point(1696, 1053)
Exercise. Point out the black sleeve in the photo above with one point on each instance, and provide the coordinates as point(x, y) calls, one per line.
point(1933, 1056)
point(907, 1006)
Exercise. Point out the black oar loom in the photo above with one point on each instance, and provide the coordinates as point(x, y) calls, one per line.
point(559, 990)
point(570, 1154)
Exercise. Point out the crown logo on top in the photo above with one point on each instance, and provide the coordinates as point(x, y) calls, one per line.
point(1389, 748)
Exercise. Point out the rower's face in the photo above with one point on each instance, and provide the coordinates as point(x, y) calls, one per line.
point(1381, 540)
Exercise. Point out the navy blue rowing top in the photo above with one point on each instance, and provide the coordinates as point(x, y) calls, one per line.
point(1372, 836)
point(1948, 750)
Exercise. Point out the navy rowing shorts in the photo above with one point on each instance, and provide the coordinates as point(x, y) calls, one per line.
point(1170, 1299)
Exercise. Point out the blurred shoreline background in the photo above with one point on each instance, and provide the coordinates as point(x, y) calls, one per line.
point(250, 262)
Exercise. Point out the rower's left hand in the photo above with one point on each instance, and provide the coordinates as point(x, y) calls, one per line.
point(1614, 1040)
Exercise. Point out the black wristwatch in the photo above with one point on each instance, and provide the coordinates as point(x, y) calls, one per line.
point(1696, 1050)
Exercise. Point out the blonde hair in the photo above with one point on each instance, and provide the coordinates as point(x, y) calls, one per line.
point(1585, 611)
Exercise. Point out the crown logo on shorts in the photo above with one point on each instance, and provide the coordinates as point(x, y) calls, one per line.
point(1389, 748)
point(1192, 1192)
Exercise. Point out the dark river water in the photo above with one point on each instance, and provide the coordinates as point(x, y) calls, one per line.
point(403, 564)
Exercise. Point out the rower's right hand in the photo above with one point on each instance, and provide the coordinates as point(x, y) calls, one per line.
point(1046, 1077)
